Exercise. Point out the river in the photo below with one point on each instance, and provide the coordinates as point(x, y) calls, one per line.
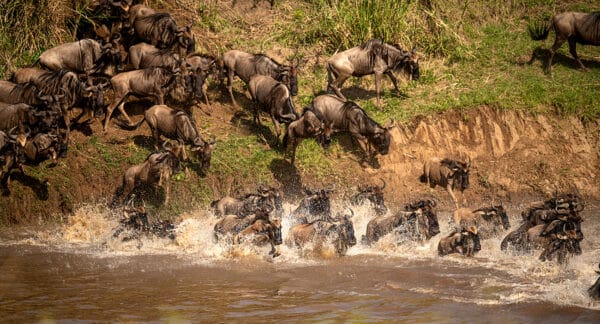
point(77, 272)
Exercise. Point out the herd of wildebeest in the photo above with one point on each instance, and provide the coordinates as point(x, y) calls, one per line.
point(136, 51)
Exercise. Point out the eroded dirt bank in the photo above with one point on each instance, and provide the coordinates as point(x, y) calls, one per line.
point(513, 154)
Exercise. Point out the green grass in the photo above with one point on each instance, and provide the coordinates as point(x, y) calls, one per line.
point(473, 54)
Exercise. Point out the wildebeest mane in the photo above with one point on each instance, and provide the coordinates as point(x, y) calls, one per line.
point(159, 23)
point(591, 25)
point(57, 83)
point(27, 92)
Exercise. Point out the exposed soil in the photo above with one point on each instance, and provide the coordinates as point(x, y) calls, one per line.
point(513, 154)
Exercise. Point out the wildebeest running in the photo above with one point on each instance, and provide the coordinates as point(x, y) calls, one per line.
point(574, 27)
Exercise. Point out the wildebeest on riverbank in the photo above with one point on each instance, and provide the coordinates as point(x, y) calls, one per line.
point(574, 27)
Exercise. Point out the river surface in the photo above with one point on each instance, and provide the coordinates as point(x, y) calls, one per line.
point(76, 272)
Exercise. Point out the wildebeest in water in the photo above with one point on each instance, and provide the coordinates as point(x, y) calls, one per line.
point(574, 27)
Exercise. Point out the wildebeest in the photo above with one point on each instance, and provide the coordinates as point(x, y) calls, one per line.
point(272, 97)
point(8, 156)
point(74, 92)
point(560, 237)
point(143, 55)
point(373, 194)
point(339, 232)
point(266, 199)
point(231, 225)
point(24, 117)
point(246, 65)
point(150, 82)
point(574, 27)
point(465, 241)
point(382, 225)
point(177, 125)
point(27, 93)
point(83, 56)
point(488, 220)
point(161, 30)
point(40, 147)
point(594, 290)
point(315, 206)
point(307, 126)
point(135, 222)
point(155, 171)
point(262, 231)
point(372, 57)
point(348, 116)
point(447, 173)
point(427, 225)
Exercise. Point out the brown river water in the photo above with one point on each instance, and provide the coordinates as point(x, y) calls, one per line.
point(76, 272)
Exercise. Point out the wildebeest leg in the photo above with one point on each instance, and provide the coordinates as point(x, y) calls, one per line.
point(378, 77)
point(111, 108)
point(295, 143)
point(167, 190)
point(572, 49)
point(277, 130)
point(230, 86)
point(337, 84)
point(557, 44)
point(394, 81)
point(449, 189)
point(362, 143)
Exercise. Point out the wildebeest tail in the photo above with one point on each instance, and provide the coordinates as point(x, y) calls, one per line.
point(34, 63)
point(539, 30)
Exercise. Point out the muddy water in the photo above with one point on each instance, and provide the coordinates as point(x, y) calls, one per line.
point(77, 272)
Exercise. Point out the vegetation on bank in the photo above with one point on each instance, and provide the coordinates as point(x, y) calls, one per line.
point(473, 53)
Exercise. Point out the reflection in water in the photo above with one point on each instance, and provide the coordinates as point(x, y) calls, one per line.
point(79, 272)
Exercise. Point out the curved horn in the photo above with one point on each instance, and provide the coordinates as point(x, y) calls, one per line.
point(11, 134)
point(383, 183)
point(351, 212)
point(166, 145)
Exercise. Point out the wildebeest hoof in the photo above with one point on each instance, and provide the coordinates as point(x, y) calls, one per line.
point(276, 254)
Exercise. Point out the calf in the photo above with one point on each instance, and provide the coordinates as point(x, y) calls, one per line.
point(488, 220)
point(447, 173)
point(307, 126)
point(154, 171)
point(465, 242)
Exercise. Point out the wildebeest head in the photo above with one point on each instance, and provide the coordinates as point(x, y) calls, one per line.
point(318, 201)
point(430, 219)
point(276, 231)
point(460, 172)
point(345, 231)
point(501, 212)
point(381, 140)
point(288, 75)
point(470, 241)
point(186, 40)
point(203, 151)
point(410, 65)
point(374, 194)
